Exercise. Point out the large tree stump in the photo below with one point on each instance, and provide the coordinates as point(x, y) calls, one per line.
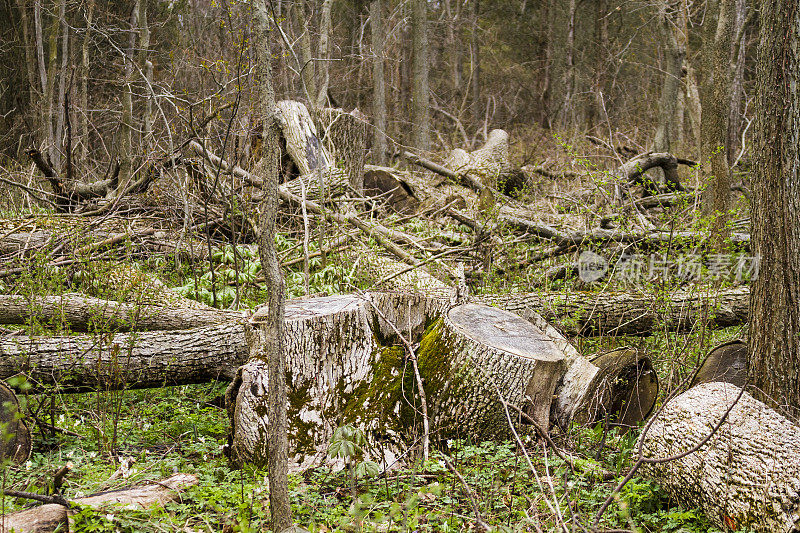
point(330, 352)
point(474, 355)
point(747, 476)
point(15, 436)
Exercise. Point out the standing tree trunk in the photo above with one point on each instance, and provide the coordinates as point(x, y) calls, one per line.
point(269, 360)
point(379, 84)
point(84, 90)
point(774, 364)
point(666, 132)
point(716, 95)
point(324, 51)
point(420, 108)
point(475, 49)
point(126, 127)
point(546, 21)
point(569, 73)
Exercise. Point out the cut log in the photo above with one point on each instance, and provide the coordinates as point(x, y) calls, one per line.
point(746, 476)
point(52, 516)
point(475, 354)
point(490, 164)
point(84, 313)
point(726, 362)
point(331, 353)
point(591, 313)
point(15, 435)
point(303, 144)
point(633, 170)
point(619, 387)
point(132, 360)
point(388, 189)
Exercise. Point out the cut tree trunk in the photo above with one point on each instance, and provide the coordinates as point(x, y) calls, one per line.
point(586, 313)
point(53, 516)
point(489, 164)
point(475, 355)
point(330, 353)
point(84, 313)
point(746, 477)
point(15, 436)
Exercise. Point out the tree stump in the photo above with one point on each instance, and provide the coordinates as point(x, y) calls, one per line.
point(15, 436)
point(330, 353)
point(475, 354)
point(747, 476)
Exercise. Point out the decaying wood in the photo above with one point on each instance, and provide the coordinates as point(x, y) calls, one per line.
point(84, 313)
point(50, 517)
point(726, 362)
point(588, 313)
point(489, 164)
point(15, 435)
point(385, 185)
point(747, 476)
point(633, 170)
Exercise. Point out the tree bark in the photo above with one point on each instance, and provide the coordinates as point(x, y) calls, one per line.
point(666, 132)
point(53, 516)
point(15, 436)
point(379, 145)
point(82, 313)
point(774, 365)
point(714, 124)
point(746, 476)
point(420, 106)
point(267, 394)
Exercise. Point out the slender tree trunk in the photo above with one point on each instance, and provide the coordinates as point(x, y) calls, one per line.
point(126, 126)
point(738, 53)
point(302, 22)
point(545, 103)
point(714, 123)
point(420, 108)
point(774, 364)
point(62, 84)
point(453, 45)
point(475, 50)
point(671, 88)
point(379, 146)
point(147, 68)
point(274, 356)
point(599, 83)
point(324, 53)
point(84, 90)
point(569, 73)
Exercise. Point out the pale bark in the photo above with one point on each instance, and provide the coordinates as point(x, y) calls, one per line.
point(323, 71)
point(667, 129)
point(746, 476)
point(420, 104)
point(475, 56)
point(774, 365)
point(83, 313)
point(379, 144)
point(83, 78)
point(55, 517)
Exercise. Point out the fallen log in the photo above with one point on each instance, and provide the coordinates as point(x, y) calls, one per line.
point(84, 313)
point(745, 476)
point(591, 313)
point(53, 516)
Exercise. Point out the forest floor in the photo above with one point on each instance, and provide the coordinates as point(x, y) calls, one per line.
point(132, 435)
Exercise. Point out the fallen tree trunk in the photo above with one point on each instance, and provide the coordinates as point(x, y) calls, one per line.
point(53, 516)
point(588, 314)
point(745, 476)
point(84, 313)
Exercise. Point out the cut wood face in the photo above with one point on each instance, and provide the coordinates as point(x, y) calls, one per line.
point(505, 331)
point(726, 362)
point(15, 437)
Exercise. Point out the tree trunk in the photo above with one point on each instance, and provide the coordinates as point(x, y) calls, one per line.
point(55, 517)
point(627, 314)
point(324, 54)
point(420, 106)
point(666, 131)
point(746, 476)
point(774, 365)
point(475, 54)
point(15, 435)
point(714, 124)
point(267, 394)
point(379, 145)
